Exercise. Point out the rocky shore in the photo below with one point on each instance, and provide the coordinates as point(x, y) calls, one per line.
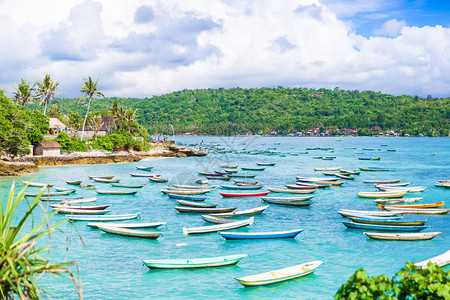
point(30, 164)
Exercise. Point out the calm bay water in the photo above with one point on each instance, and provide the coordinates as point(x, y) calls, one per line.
point(111, 266)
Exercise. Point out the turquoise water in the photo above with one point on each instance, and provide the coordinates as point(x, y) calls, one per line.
point(111, 266)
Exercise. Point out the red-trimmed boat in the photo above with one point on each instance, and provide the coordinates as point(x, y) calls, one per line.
point(227, 194)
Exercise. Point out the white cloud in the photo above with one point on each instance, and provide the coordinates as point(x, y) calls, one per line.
point(136, 48)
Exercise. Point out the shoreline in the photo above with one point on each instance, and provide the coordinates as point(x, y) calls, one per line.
point(31, 164)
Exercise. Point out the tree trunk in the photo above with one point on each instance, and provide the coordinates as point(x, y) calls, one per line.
point(45, 107)
point(85, 118)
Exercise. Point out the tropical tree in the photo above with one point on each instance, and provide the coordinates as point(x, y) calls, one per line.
point(74, 120)
point(46, 90)
point(23, 92)
point(54, 111)
point(95, 121)
point(21, 263)
point(90, 89)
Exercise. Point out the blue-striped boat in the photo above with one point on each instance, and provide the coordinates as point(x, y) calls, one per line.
point(186, 197)
point(383, 227)
point(194, 262)
point(260, 235)
point(400, 222)
point(241, 187)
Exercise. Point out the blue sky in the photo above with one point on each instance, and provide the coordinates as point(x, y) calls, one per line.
point(140, 48)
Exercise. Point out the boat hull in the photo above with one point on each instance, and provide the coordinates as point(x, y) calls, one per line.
point(194, 262)
point(260, 235)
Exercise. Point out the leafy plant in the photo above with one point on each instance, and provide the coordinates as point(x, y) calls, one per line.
point(409, 283)
point(21, 263)
point(90, 89)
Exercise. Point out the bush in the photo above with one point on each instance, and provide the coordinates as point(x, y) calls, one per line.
point(409, 283)
point(70, 144)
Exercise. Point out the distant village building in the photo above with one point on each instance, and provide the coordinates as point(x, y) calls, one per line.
point(108, 125)
point(56, 126)
point(47, 148)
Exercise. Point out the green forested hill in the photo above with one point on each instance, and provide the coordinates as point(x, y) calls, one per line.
point(286, 110)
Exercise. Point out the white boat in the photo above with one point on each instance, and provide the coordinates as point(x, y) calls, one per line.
point(280, 275)
point(328, 169)
point(186, 192)
point(420, 211)
point(129, 232)
point(246, 212)
point(394, 184)
point(127, 225)
point(402, 236)
point(76, 211)
point(292, 191)
point(377, 213)
point(144, 175)
point(400, 200)
point(78, 201)
point(220, 227)
point(37, 184)
point(68, 205)
point(412, 189)
point(103, 218)
point(380, 181)
point(309, 179)
point(195, 187)
point(440, 260)
point(194, 262)
point(391, 194)
point(203, 188)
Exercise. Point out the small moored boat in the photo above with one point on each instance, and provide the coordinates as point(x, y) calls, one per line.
point(144, 168)
point(219, 227)
point(157, 179)
point(376, 169)
point(422, 211)
point(186, 197)
point(103, 218)
point(216, 219)
point(400, 200)
point(441, 260)
point(127, 225)
point(247, 212)
point(83, 207)
point(129, 186)
point(143, 175)
point(105, 180)
point(383, 227)
point(292, 191)
point(377, 213)
point(393, 194)
point(241, 187)
point(234, 235)
point(78, 182)
point(407, 236)
point(381, 181)
point(423, 205)
point(194, 262)
point(280, 275)
point(186, 192)
point(129, 232)
point(195, 204)
point(254, 194)
point(116, 192)
point(206, 210)
point(37, 184)
point(104, 177)
point(388, 222)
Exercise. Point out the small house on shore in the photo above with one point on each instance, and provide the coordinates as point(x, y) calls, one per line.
point(47, 148)
point(56, 126)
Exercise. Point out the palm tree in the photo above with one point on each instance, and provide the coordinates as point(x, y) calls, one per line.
point(90, 89)
point(46, 90)
point(24, 92)
point(95, 121)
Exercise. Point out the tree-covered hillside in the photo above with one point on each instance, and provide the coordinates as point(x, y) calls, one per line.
point(285, 110)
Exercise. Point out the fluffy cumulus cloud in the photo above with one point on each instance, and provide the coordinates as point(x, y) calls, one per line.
point(141, 48)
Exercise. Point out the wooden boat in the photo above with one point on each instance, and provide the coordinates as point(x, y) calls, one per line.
point(69, 201)
point(377, 195)
point(194, 187)
point(381, 181)
point(412, 189)
point(129, 232)
point(253, 194)
point(376, 169)
point(407, 236)
point(74, 182)
point(299, 187)
point(130, 186)
point(186, 197)
point(383, 227)
point(388, 222)
point(47, 194)
point(289, 202)
point(393, 184)
point(441, 260)
point(219, 227)
point(315, 185)
point(280, 275)
point(423, 205)
point(344, 177)
point(37, 184)
point(234, 235)
point(158, 179)
point(216, 219)
point(327, 169)
point(350, 172)
point(144, 175)
point(61, 189)
point(83, 207)
point(218, 178)
point(183, 209)
point(89, 186)
point(247, 212)
point(265, 164)
point(210, 174)
point(309, 179)
point(114, 192)
point(241, 187)
point(105, 180)
point(194, 262)
point(230, 171)
point(127, 225)
point(243, 182)
point(104, 177)
point(64, 210)
point(369, 158)
point(376, 213)
point(292, 191)
point(400, 200)
point(143, 168)
point(328, 182)
point(252, 169)
point(295, 198)
point(241, 176)
point(195, 204)
point(186, 192)
point(229, 166)
point(107, 218)
point(202, 181)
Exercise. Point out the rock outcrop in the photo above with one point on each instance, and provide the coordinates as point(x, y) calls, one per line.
point(17, 168)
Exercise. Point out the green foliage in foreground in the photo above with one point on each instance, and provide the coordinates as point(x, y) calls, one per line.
point(409, 283)
point(20, 257)
point(261, 110)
